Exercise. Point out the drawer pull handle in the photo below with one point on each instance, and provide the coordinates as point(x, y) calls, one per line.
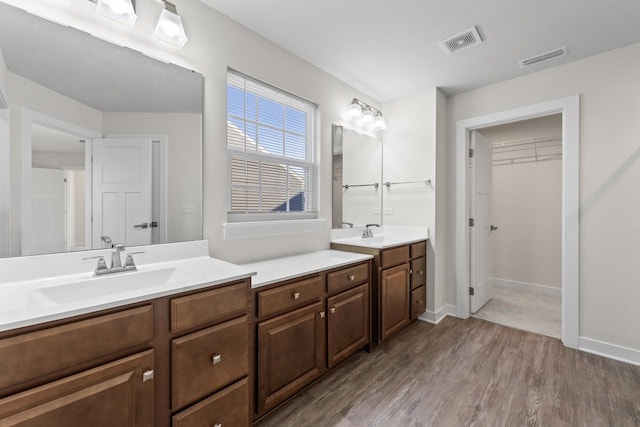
point(296, 295)
point(147, 375)
point(352, 277)
point(217, 358)
point(322, 314)
point(332, 310)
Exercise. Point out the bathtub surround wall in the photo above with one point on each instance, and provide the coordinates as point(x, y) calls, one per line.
point(609, 183)
point(527, 209)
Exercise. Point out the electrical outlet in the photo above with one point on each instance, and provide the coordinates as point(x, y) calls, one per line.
point(388, 211)
point(189, 208)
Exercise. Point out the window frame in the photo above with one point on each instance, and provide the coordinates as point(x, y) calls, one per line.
point(310, 188)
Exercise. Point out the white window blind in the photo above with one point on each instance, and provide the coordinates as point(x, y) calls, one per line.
point(270, 144)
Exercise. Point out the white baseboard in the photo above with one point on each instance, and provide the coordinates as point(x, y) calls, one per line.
point(531, 287)
point(611, 351)
point(436, 316)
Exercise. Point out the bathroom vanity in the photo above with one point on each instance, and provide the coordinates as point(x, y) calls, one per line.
point(171, 353)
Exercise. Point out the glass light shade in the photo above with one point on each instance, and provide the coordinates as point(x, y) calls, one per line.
point(120, 11)
point(354, 110)
point(170, 29)
point(379, 123)
point(367, 116)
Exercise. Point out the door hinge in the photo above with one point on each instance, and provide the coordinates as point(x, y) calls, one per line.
point(472, 222)
point(471, 291)
point(470, 152)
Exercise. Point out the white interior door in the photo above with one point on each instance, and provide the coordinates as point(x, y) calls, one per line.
point(121, 194)
point(481, 263)
point(47, 211)
point(5, 188)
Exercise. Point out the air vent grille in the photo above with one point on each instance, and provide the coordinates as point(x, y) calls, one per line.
point(543, 57)
point(463, 40)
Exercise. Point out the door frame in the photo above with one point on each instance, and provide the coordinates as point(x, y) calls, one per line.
point(569, 107)
point(29, 117)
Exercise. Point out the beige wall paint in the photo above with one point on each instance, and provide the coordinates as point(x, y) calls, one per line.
point(527, 208)
point(609, 179)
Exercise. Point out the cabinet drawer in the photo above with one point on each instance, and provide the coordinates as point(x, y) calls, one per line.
point(418, 249)
point(206, 307)
point(418, 272)
point(347, 278)
point(418, 302)
point(205, 361)
point(289, 296)
point(115, 394)
point(43, 353)
point(394, 256)
point(230, 407)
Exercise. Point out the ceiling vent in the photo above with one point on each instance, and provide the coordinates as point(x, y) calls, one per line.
point(543, 57)
point(463, 40)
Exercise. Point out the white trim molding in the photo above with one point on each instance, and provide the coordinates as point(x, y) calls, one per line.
point(529, 287)
point(243, 230)
point(569, 107)
point(611, 351)
point(436, 316)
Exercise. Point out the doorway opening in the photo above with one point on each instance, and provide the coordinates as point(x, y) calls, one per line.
point(523, 236)
point(568, 108)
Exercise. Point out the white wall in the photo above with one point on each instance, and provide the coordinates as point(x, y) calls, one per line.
point(409, 154)
point(4, 76)
point(527, 208)
point(184, 163)
point(215, 43)
point(609, 179)
point(56, 160)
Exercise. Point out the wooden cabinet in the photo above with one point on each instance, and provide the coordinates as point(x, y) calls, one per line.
point(305, 327)
point(291, 354)
point(120, 393)
point(347, 323)
point(394, 300)
point(135, 365)
point(398, 286)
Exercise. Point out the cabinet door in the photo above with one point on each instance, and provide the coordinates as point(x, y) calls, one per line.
point(418, 272)
point(116, 394)
point(291, 354)
point(418, 302)
point(394, 300)
point(347, 323)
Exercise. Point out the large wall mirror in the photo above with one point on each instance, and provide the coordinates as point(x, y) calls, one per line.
point(357, 175)
point(95, 140)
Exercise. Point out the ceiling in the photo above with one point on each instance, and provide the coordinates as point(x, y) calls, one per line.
point(94, 72)
point(388, 49)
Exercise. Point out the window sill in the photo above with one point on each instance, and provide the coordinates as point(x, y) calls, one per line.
point(245, 230)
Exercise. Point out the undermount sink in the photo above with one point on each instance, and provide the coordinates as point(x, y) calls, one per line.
point(101, 286)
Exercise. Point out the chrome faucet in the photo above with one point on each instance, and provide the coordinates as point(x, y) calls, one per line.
point(116, 261)
point(347, 225)
point(106, 241)
point(366, 233)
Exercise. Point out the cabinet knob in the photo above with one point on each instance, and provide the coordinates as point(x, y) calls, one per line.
point(419, 302)
point(351, 277)
point(147, 375)
point(217, 425)
point(332, 310)
point(420, 272)
point(322, 314)
point(410, 271)
point(296, 295)
point(217, 358)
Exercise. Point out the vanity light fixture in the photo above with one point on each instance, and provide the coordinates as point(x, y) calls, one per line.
point(120, 11)
point(169, 28)
point(366, 115)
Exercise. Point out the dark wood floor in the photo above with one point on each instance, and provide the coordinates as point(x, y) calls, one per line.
point(469, 372)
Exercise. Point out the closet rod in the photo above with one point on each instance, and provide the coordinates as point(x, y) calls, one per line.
point(425, 181)
point(523, 141)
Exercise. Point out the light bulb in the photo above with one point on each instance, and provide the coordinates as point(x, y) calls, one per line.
point(117, 6)
point(379, 123)
point(367, 116)
point(354, 110)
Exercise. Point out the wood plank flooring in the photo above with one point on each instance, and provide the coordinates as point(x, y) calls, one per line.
point(469, 373)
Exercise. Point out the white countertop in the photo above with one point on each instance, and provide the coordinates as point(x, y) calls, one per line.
point(280, 269)
point(383, 238)
point(43, 299)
